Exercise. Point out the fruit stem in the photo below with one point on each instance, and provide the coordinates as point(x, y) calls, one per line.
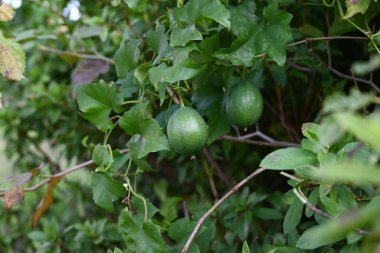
point(179, 95)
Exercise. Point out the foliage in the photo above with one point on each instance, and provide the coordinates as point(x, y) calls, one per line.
point(104, 87)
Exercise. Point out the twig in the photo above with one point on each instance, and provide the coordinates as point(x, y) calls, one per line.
point(327, 38)
point(78, 55)
point(355, 79)
point(174, 96)
point(54, 164)
point(61, 174)
point(259, 143)
point(216, 205)
point(301, 68)
point(340, 74)
point(299, 194)
point(216, 167)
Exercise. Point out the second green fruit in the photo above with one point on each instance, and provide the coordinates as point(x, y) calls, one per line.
point(244, 104)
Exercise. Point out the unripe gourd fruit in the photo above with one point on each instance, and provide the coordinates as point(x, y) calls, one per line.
point(244, 104)
point(187, 131)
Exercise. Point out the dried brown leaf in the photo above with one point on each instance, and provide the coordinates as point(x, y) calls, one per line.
point(6, 12)
point(12, 59)
point(46, 201)
point(87, 71)
point(13, 197)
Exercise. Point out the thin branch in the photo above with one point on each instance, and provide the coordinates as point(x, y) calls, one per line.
point(54, 164)
point(61, 174)
point(75, 54)
point(173, 95)
point(355, 79)
point(327, 38)
point(216, 167)
point(299, 67)
point(259, 143)
point(299, 194)
point(216, 205)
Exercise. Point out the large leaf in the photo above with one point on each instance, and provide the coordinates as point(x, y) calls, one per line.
point(145, 237)
point(288, 158)
point(203, 8)
point(269, 36)
point(336, 230)
point(96, 101)
point(12, 59)
point(183, 67)
point(138, 121)
point(275, 34)
point(106, 190)
point(180, 37)
point(364, 129)
point(126, 57)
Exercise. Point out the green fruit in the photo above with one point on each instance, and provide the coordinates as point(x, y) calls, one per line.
point(244, 104)
point(187, 131)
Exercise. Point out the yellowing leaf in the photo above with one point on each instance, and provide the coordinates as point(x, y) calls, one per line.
point(13, 197)
point(356, 6)
point(12, 59)
point(46, 201)
point(6, 12)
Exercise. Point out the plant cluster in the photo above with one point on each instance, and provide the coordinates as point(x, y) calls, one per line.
point(204, 125)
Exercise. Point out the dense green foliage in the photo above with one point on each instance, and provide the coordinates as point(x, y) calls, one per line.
point(103, 88)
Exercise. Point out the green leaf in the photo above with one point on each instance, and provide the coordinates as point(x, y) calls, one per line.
point(351, 171)
point(126, 57)
point(364, 129)
point(180, 229)
point(12, 59)
point(101, 156)
point(288, 158)
point(183, 68)
point(354, 7)
point(142, 73)
point(138, 121)
point(275, 34)
point(293, 216)
point(336, 230)
point(145, 237)
point(106, 190)
point(313, 238)
point(245, 248)
point(203, 8)
point(96, 101)
point(158, 41)
point(313, 199)
point(244, 25)
point(164, 73)
point(269, 36)
point(169, 208)
point(180, 37)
